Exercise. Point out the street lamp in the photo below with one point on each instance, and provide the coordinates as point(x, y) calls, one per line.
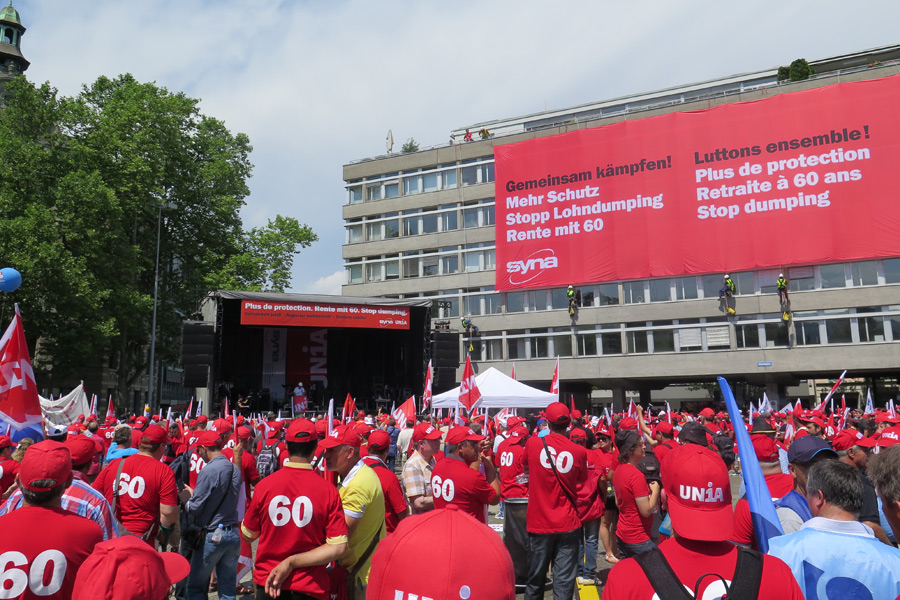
point(150, 390)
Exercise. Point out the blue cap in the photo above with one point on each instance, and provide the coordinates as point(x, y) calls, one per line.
point(807, 448)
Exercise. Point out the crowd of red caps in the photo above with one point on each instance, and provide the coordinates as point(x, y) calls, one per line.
point(126, 562)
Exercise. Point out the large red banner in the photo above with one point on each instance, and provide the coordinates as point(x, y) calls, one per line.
point(799, 178)
point(313, 314)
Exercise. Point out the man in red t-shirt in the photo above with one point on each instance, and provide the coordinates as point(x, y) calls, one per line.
point(299, 521)
point(510, 463)
point(146, 495)
point(779, 485)
point(395, 508)
point(552, 521)
point(458, 480)
point(700, 555)
point(43, 545)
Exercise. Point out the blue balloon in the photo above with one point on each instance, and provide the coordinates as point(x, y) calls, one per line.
point(10, 280)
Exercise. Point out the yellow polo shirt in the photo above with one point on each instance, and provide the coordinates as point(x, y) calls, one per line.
point(363, 499)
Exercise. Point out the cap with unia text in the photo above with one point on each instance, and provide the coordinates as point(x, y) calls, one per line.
point(424, 431)
point(458, 435)
point(699, 493)
point(342, 436)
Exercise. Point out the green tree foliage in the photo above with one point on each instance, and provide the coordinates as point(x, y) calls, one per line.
point(82, 180)
point(798, 71)
point(411, 145)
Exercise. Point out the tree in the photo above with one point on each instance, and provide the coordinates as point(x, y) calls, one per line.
point(799, 70)
point(411, 145)
point(82, 183)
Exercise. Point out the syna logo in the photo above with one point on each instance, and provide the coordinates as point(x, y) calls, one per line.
point(523, 271)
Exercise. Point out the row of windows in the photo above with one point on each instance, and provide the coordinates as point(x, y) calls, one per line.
point(418, 222)
point(863, 273)
point(444, 177)
point(450, 260)
point(846, 326)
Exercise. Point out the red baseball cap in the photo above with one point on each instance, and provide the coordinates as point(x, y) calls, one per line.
point(48, 460)
point(301, 430)
point(578, 434)
point(458, 435)
point(244, 433)
point(154, 434)
point(343, 435)
point(519, 431)
point(764, 447)
point(452, 572)
point(82, 448)
point(707, 412)
point(558, 413)
point(889, 437)
point(322, 427)
point(602, 430)
point(110, 420)
point(362, 429)
point(6, 442)
point(699, 492)
point(665, 427)
point(576, 414)
point(513, 421)
point(208, 439)
point(424, 431)
point(628, 423)
point(202, 420)
point(223, 425)
point(126, 568)
point(379, 440)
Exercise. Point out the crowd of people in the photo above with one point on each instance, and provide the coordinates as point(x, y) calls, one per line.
point(145, 508)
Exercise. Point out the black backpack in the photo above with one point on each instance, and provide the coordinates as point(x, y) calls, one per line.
point(266, 461)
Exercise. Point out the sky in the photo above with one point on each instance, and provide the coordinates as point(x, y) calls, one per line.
point(316, 84)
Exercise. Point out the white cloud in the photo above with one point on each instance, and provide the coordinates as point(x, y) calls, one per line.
point(330, 284)
point(318, 84)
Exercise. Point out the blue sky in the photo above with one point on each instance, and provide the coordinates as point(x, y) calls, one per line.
point(317, 84)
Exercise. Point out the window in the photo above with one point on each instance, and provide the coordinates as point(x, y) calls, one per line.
point(429, 223)
point(449, 264)
point(586, 343)
point(586, 294)
point(609, 294)
point(479, 216)
point(895, 325)
point(537, 300)
point(392, 190)
point(430, 182)
point(430, 265)
point(374, 232)
point(354, 234)
point(374, 272)
point(539, 346)
point(562, 343)
point(636, 340)
point(807, 332)
point(711, 285)
point(491, 349)
point(479, 260)
point(448, 307)
point(743, 283)
point(747, 335)
point(891, 270)
point(718, 336)
point(611, 340)
point(838, 331)
point(391, 226)
point(474, 172)
point(412, 184)
point(515, 302)
point(685, 288)
point(690, 338)
point(634, 292)
point(871, 329)
point(449, 220)
point(767, 281)
point(663, 339)
point(660, 290)
point(392, 269)
point(412, 225)
point(776, 333)
point(354, 274)
point(411, 267)
point(515, 347)
point(833, 276)
point(355, 194)
point(864, 273)
point(558, 299)
point(448, 179)
point(801, 278)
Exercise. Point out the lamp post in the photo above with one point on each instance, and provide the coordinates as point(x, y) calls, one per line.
point(150, 390)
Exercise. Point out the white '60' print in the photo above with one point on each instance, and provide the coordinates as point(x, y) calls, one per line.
point(564, 461)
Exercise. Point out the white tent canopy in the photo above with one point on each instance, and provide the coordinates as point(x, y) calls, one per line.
point(499, 391)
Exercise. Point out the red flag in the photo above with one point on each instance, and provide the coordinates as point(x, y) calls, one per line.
point(632, 411)
point(554, 383)
point(19, 403)
point(513, 371)
point(825, 400)
point(469, 395)
point(426, 395)
point(227, 412)
point(93, 409)
point(349, 410)
point(189, 408)
point(798, 408)
point(406, 411)
point(110, 409)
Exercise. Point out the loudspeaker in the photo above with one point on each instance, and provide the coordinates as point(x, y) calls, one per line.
point(197, 347)
point(445, 350)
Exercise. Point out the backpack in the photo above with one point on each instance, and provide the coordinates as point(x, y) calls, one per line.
point(266, 461)
point(745, 582)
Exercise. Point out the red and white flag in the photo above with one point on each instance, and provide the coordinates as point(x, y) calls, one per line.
point(632, 411)
point(469, 394)
point(349, 410)
point(554, 383)
point(513, 371)
point(330, 416)
point(19, 402)
point(426, 395)
point(190, 407)
point(111, 410)
point(669, 412)
point(798, 408)
point(93, 409)
point(227, 412)
point(405, 412)
point(843, 423)
point(245, 560)
point(825, 400)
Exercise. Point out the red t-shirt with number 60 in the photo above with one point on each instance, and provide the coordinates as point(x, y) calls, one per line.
point(293, 510)
point(41, 550)
point(145, 483)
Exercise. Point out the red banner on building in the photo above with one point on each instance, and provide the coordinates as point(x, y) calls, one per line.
point(313, 314)
point(799, 178)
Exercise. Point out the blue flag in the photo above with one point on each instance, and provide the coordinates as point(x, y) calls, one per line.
point(762, 510)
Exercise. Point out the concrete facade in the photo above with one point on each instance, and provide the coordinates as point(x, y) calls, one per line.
point(619, 341)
